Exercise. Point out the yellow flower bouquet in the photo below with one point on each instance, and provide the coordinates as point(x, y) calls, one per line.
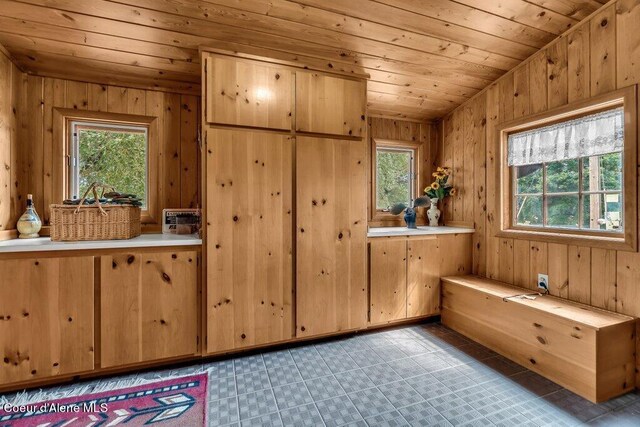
point(440, 188)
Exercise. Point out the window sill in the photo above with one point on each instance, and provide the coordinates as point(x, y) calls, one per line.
point(624, 242)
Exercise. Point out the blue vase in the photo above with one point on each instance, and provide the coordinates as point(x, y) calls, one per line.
point(410, 217)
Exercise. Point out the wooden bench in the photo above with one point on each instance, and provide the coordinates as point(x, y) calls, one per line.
point(585, 349)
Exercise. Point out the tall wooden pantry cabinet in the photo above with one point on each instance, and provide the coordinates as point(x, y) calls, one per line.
point(284, 176)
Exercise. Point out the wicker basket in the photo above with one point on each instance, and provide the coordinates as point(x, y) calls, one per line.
point(94, 222)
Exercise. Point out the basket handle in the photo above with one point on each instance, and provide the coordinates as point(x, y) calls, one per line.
point(91, 188)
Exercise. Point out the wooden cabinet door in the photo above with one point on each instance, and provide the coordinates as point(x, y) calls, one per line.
point(249, 238)
point(423, 277)
point(148, 306)
point(46, 317)
point(331, 233)
point(388, 266)
point(330, 105)
point(246, 93)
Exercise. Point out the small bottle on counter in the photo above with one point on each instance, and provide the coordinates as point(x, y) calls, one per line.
point(29, 223)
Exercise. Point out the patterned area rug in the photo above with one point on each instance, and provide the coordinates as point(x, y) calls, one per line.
point(177, 401)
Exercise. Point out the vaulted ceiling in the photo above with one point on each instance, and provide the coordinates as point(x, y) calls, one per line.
point(424, 57)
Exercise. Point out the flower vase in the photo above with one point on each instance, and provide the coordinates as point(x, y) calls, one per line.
point(410, 217)
point(433, 214)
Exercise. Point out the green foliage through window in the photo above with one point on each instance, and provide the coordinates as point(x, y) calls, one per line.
point(583, 193)
point(394, 169)
point(115, 156)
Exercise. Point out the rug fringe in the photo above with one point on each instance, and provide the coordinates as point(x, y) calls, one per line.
point(31, 396)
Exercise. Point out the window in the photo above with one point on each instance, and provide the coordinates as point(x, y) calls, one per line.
point(394, 175)
point(110, 153)
point(115, 149)
point(570, 173)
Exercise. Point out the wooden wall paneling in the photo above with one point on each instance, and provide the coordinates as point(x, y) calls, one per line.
point(522, 263)
point(18, 178)
point(479, 187)
point(538, 262)
point(34, 132)
point(155, 107)
point(6, 119)
point(189, 151)
point(168, 318)
point(508, 247)
point(580, 274)
point(603, 51)
point(493, 244)
point(117, 99)
point(521, 92)
point(169, 155)
point(457, 176)
point(603, 278)
point(388, 281)
point(455, 254)
point(468, 141)
point(423, 277)
point(628, 291)
point(331, 235)
point(447, 152)
point(538, 81)
point(47, 326)
point(627, 42)
point(54, 95)
point(249, 235)
point(330, 105)
point(578, 64)
point(97, 98)
point(76, 95)
point(557, 73)
point(136, 101)
point(248, 93)
point(558, 266)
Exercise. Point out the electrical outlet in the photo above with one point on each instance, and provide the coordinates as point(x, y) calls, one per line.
point(543, 282)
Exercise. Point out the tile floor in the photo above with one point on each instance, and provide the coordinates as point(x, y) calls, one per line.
point(421, 375)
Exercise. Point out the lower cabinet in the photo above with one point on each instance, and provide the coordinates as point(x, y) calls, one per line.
point(388, 266)
point(405, 274)
point(46, 317)
point(148, 306)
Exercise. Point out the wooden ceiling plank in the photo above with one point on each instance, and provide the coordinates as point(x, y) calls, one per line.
point(525, 13)
point(70, 35)
point(479, 20)
point(340, 23)
point(95, 72)
point(421, 103)
point(254, 24)
point(37, 44)
point(115, 42)
point(31, 61)
point(473, 76)
point(414, 92)
point(398, 18)
point(577, 9)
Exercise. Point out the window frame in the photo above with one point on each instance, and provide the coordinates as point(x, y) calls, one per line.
point(627, 240)
point(76, 126)
point(381, 215)
point(62, 149)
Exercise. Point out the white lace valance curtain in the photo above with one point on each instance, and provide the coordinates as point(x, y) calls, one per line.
point(591, 135)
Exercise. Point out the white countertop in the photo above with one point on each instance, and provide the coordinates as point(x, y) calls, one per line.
point(420, 231)
point(42, 244)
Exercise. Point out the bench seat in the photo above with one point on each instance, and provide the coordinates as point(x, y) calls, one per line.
point(587, 350)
